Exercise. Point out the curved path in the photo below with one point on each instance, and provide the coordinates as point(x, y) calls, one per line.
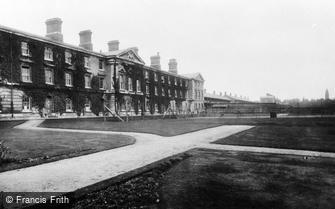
point(74, 173)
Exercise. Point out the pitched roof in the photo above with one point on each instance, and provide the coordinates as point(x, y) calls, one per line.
point(129, 51)
point(195, 76)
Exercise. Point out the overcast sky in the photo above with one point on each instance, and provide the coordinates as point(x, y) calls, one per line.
point(246, 47)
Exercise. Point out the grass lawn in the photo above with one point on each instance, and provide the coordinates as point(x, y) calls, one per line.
point(239, 180)
point(166, 127)
point(34, 147)
point(173, 127)
point(309, 137)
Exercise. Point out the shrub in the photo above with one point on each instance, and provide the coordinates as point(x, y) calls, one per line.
point(4, 152)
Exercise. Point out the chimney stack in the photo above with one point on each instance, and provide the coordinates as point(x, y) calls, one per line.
point(173, 66)
point(54, 29)
point(113, 45)
point(86, 39)
point(156, 61)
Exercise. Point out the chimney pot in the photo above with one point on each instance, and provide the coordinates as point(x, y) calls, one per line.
point(54, 29)
point(113, 45)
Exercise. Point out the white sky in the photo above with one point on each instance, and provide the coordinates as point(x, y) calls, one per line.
point(249, 48)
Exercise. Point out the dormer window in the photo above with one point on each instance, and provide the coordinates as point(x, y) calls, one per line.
point(25, 49)
point(68, 57)
point(48, 54)
point(87, 62)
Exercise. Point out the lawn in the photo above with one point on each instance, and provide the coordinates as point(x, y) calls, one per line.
point(173, 127)
point(239, 180)
point(31, 147)
point(214, 179)
point(314, 137)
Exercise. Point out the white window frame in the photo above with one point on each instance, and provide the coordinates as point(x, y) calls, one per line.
point(88, 81)
point(25, 49)
point(138, 86)
point(26, 74)
point(68, 79)
point(49, 76)
point(103, 82)
point(68, 57)
point(130, 84)
point(26, 108)
point(68, 105)
point(86, 62)
point(48, 54)
point(122, 83)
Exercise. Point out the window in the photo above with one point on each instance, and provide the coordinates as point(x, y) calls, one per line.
point(101, 83)
point(130, 84)
point(138, 86)
point(169, 81)
point(156, 91)
point(49, 76)
point(48, 54)
point(156, 77)
point(87, 81)
point(122, 82)
point(87, 105)
point(163, 92)
point(86, 62)
point(169, 92)
point(25, 49)
point(146, 74)
point(147, 89)
point(68, 105)
point(175, 93)
point(68, 79)
point(156, 107)
point(175, 82)
point(162, 79)
point(101, 66)
point(25, 73)
point(26, 103)
point(68, 57)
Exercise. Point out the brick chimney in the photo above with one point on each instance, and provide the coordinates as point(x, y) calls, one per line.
point(156, 61)
point(54, 29)
point(113, 45)
point(173, 66)
point(86, 39)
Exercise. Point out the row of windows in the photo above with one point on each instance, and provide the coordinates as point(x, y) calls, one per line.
point(27, 104)
point(176, 92)
point(176, 81)
point(48, 55)
point(49, 77)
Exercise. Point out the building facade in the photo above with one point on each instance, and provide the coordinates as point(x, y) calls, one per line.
point(44, 75)
point(195, 93)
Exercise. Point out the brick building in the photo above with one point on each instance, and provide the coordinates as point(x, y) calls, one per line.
point(45, 75)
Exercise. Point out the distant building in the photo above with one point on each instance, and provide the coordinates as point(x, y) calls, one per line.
point(268, 98)
point(195, 92)
point(327, 94)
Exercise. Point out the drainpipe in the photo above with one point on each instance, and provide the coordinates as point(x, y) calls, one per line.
point(115, 86)
point(11, 76)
